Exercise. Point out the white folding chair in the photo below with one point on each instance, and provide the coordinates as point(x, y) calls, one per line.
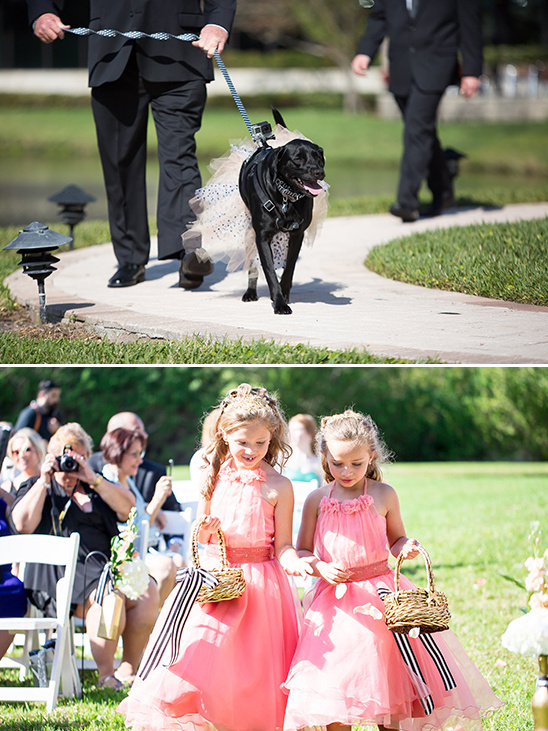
point(185, 491)
point(179, 523)
point(57, 551)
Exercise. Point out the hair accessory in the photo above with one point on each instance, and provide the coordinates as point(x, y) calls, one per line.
point(425, 609)
point(255, 397)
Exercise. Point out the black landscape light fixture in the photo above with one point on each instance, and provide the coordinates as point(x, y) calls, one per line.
point(72, 201)
point(35, 244)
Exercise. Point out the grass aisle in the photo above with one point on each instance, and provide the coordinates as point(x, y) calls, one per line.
point(474, 519)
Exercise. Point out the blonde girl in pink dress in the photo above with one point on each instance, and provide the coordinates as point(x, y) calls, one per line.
point(349, 668)
point(235, 654)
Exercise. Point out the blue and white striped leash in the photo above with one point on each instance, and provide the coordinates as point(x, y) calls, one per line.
point(136, 34)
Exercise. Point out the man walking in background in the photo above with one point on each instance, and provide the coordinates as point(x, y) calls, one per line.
point(425, 39)
point(42, 414)
point(127, 77)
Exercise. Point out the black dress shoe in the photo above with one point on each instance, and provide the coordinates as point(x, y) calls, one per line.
point(438, 206)
point(407, 215)
point(197, 262)
point(189, 281)
point(127, 275)
point(194, 267)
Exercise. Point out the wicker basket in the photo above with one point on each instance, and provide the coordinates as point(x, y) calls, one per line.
point(231, 579)
point(423, 608)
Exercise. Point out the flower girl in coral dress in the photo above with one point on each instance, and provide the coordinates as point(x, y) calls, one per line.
point(349, 668)
point(235, 654)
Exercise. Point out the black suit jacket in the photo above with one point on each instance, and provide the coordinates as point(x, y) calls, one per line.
point(424, 48)
point(169, 60)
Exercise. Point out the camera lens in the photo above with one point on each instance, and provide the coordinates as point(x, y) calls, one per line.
point(67, 463)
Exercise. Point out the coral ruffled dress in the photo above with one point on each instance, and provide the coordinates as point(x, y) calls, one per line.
point(236, 653)
point(348, 666)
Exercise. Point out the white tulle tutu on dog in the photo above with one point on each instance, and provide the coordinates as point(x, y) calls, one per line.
point(222, 218)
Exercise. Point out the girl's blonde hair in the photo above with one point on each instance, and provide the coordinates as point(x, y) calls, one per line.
point(71, 433)
point(241, 406)
point(352, 426)
point(29, 436)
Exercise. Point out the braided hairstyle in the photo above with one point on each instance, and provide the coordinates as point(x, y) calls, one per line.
point(241, 406)
point(352, 426)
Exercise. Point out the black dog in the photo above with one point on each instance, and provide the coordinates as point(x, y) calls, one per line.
point(278, 185)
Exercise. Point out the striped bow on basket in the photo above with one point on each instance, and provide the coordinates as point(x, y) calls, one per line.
point(422, 609)
point(231, 579)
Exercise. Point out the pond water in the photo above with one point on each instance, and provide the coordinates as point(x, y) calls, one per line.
point(26, 184)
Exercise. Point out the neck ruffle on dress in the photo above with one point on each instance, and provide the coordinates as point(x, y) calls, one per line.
point(234, 654)
point(350, 668)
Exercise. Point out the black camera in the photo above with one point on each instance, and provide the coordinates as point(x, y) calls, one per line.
point(261, 132)
point(67, 463)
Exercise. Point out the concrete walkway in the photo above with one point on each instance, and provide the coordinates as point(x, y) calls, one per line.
point(336, 302)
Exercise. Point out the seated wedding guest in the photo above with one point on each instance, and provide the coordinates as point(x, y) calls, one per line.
point(123, 451)
point(25, 453)
point(69, 496)
point(13, 598)
point(5, 434)
point(149, 472)
point(303, 465)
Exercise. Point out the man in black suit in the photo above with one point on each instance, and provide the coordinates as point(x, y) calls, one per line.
point(127, 77)
point(425, 38)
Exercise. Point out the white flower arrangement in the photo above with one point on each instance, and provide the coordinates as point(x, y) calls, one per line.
point(528, 635)
point(129, 571)
point(134, 578)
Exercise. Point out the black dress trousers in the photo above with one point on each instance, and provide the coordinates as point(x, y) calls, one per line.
point(121, 110)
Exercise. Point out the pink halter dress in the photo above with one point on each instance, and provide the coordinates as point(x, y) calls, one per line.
point(349, 667)
point(235, 654)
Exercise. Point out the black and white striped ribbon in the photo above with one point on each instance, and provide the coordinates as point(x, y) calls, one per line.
point(171, 621)
point(105, 580)
point(136, 34)
point(406, 651)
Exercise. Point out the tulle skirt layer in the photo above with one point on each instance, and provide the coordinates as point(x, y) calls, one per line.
point(224, 222)
point(235, 657)
point(348, 668)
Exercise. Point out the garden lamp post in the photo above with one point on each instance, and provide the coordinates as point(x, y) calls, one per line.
point(72, 201)
point(35, 244)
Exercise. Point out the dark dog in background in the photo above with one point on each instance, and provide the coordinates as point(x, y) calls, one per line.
point(278, 186)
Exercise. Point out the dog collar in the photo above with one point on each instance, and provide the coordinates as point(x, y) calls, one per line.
point(287, 191)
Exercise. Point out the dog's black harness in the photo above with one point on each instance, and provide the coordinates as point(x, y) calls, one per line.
point(288, 194)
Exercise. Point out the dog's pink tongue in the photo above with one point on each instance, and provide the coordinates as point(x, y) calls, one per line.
point(312, 188)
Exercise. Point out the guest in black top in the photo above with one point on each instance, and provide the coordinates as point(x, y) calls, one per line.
point(60, 502)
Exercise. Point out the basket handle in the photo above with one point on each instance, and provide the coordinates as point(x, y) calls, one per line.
point(194, 547)
point(429, 570)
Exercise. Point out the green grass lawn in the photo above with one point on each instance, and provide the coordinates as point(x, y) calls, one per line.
point(506, 261)
point(505, 147)
point(474, 519)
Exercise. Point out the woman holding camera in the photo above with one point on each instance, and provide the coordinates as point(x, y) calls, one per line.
point(67, 497)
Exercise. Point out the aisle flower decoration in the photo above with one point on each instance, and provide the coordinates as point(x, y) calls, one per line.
point(130, 573)
point(528, 635)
